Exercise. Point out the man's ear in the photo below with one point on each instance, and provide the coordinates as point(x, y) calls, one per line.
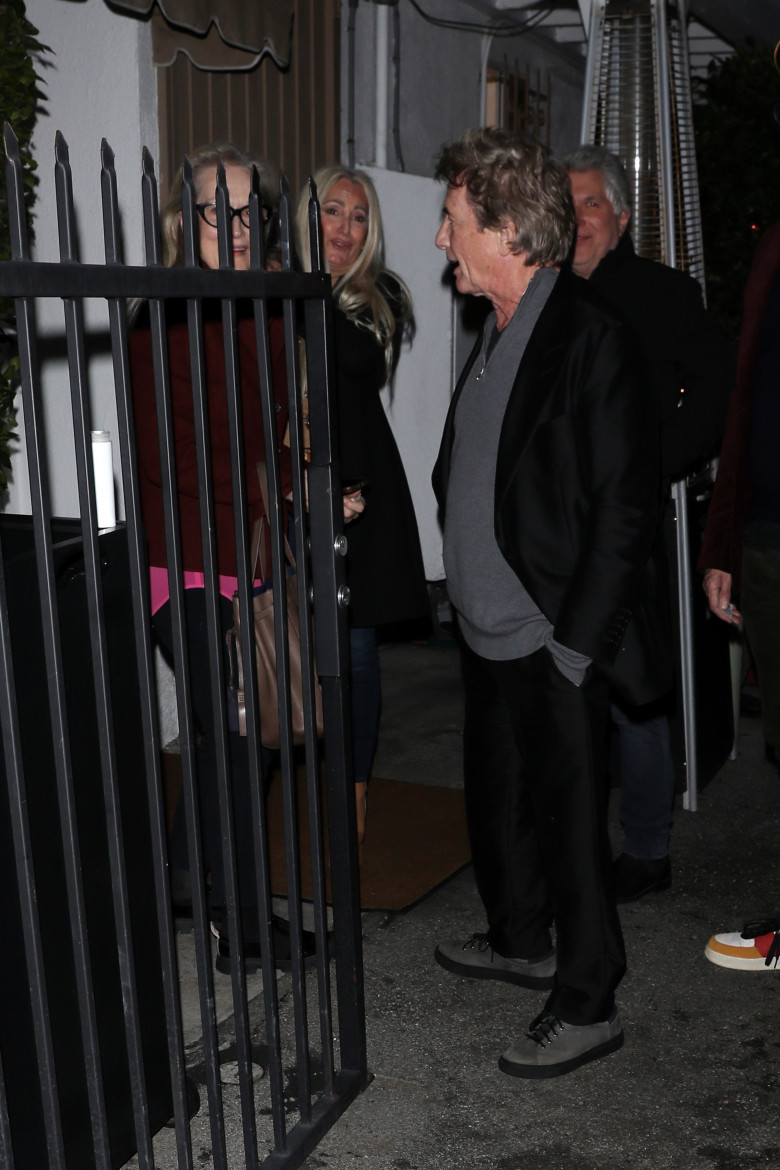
point(623, 221)
point(507, 234)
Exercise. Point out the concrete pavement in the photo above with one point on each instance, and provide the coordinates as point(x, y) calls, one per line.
point(695, 1086)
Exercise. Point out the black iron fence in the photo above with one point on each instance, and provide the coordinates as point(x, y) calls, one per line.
point(98, 1065)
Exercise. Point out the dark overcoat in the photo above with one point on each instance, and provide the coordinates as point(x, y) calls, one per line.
point(384, 562)
point(578, 487)
point(688, 364)
point(142, 365)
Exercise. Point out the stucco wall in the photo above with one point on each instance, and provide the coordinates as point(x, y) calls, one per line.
point(441, 74)
point(440, 82)
point(99, 83)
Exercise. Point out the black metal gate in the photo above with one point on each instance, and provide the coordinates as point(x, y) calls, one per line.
point(97, 1067)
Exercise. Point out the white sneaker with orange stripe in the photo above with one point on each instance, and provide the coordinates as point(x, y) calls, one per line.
point(757, 948)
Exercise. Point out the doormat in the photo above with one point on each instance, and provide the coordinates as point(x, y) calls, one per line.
point(416, 838)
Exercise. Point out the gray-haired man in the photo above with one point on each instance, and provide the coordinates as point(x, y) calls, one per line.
point(689, 371)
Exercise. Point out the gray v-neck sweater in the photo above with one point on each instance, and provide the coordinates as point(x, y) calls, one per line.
point(497, 617)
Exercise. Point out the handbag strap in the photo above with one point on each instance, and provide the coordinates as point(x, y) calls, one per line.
point(257, 554)
point(258, 545)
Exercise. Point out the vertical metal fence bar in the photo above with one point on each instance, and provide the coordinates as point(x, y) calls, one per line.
point(36, 972)
point(181, 673)
point(313, 786)
point(117, 309)
point(14, 768)
point(264, 901)
point(289, 784)
point(39, 492)
point(240, 507)
point(6, 1152)
point(229, 323)
point(210, 567)
point(332, 657)
point(74, 333)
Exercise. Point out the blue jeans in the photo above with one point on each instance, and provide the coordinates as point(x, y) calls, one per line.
point(647, 782)
point(365, 698)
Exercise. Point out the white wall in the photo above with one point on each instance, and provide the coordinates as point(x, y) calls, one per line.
point(411, 212)
point(99, 83)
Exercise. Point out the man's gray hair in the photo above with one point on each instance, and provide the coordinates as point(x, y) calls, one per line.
point(598, 158)
point(511, 177)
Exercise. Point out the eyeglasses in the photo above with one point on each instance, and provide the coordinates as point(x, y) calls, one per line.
point(208, 213)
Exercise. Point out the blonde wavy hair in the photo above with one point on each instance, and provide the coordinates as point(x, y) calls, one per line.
point(356, 293)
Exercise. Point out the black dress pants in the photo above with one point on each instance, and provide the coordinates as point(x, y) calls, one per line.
point(535, 787)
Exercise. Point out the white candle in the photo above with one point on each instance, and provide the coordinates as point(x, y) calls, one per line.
point(103, 467)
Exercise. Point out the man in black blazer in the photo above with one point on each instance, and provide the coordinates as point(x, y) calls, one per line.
point(547, 481)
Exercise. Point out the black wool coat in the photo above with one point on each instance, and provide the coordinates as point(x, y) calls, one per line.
point(384, 561)
point(688, 364)
point(577, 487)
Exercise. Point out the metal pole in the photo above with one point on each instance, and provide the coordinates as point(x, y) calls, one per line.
point(680, 497)
point(594, 55)
point(679, 490)
point(665, 132)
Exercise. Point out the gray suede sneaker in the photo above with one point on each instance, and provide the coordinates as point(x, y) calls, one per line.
point(476, 959)
point(551, 1047)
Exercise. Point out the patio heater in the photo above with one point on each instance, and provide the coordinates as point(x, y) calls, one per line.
point(637, 104)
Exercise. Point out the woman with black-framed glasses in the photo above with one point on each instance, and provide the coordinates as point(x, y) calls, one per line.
point(237, 165)
point(238, 173)
point(208, 213)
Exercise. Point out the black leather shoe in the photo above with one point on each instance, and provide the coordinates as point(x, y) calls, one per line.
point(637, 876)
point(282, 950)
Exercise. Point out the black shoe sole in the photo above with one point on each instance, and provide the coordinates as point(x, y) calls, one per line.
point(534, 982)
point(224, 964)
point(281, 933)
point(536, 1072)
point(653, 888)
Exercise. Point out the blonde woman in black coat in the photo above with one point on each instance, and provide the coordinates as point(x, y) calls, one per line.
point(384, 562)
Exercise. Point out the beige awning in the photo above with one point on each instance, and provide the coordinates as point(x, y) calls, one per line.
point(217, 34)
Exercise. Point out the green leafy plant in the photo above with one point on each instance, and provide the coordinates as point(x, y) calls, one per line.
point(20, 97)
point(735, 115)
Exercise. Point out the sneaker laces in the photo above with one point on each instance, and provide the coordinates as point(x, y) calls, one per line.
point(766, 926)
point(545, 1030)
point(480, 941)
